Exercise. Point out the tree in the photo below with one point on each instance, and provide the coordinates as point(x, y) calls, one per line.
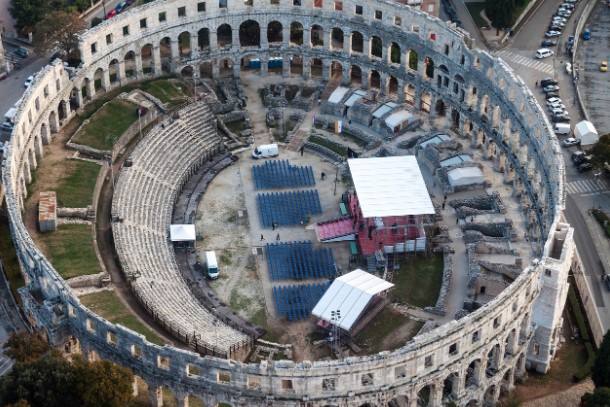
point(500, 12)
point(601, 152)
point(27, 13)
point(600, 373)
point(59, 29)
point(599, 398)
point(112, 381)
point(24, 346)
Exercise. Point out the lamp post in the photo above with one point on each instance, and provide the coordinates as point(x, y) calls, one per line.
point(104, 6)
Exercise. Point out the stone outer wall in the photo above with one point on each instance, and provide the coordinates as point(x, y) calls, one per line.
point(475, 357)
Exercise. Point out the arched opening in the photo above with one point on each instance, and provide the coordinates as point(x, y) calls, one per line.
point(250, 34)
point(393, 86)
point(184, 44)
point(336, 70)
point(492, 360)
point(168, 395)
point(74, 99)
point(275, 65)
point(355, 75)
point(413, 60)
point(85, 88)
point(203, 39)
point(225, 67)
point(375, 80)
point(336, 38)
point(450, 387)
point(490, 395)
point(296, 33)
point(410, 94)
point(193, 401)
point(395, 53)
point(425, 102)
point(376, 47)
point(317, 36)
point(472, 374)
point(147, 59)
point(507, 382)
point(429, 63)
point(357, 42)
point(316, 67)
point(296, 65)
point(423, 396)
point(455, 118)
point(130, 64)
point(251, 63)
point(399, 401)
point(113, 71)
point(97, 79)
point(205, 70)
point(275, 32)
point(187, 72)
point(165, 50)
point(224, 35)
point(440, 107)
point(443, 69)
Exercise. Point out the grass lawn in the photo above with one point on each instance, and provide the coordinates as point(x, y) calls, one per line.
point(9, 259)
point(70, 250)
point(107, 125)
point(337, 148)
point(418, 281)
point(383, 333)
point(475, 11)
point(75, 189)
point(164, 90)
point(107, 305)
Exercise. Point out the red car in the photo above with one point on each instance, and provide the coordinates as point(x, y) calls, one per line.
point(111, 14)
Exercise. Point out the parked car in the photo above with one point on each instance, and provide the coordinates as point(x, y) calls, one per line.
point(111, 14)
point(584, 167)
point(557, 111)
point(603, 66)
point(570, 40)
point(552, 101)
point(572, 141)
point(547, 82)
point(6, 126)
point(555, 27)
point(568, 68)
point(543, 53)
point(586, 34)
point(557, 105)
point(119, 7)
point(552, 34)
point(550, 88)
point(548, 43)
point(577, 154)
point(560, 118)
point(21, 52)
point(28, 81)
point(558, 19)
point(552, 95)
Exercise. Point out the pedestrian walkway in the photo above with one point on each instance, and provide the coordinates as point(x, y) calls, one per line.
point(586, 187)
point(525, 61)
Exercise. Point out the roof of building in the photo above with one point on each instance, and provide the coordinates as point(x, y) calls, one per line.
point(399, 117)
point(465, 176)
point(436, 139)
point(337, 95)
point(386, 107)
point(349, 294)
point(357, 95)
point(182, 233)
point(390, 186)
point(456, 159)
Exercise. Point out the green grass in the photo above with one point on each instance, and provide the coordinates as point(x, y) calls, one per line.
point(383, 326)
point(475, 11)
point(418, 281)
point(236, 126)
point(70, 250)
point(75, 189)
point(337, 148)
point(107, 305)
point(9, 259)
point(164, 90)
point(351, 137)
point(107, 125)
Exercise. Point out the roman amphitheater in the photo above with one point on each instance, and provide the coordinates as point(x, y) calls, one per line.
point(382, 49)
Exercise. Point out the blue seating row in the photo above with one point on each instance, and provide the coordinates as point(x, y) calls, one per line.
point(288, 208)
point(295, 302)
point(281, 174)
point(299, 260)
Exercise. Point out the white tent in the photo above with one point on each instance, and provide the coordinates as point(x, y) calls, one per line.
point(182, 233)
point(586, 132)
point(465, 176)
point(337, 95)
point(399, 120)
point(349, 294)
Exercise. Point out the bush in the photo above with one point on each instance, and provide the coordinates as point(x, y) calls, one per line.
point(584, 334)
point(602, 218)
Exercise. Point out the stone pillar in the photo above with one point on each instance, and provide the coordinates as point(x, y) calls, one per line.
point(216, 69)
point(105, 79)
point(263, 38)
point(417, 98)
point(286, 67)
point(156, 395)
point(38, 149)
point(182, 400)
point(27, 175)
point(175, 49)
point(194, 50)
point(138, 65)
point(213, 41)
point(264, 66)
point(134, 385)
point(306, 68)
point(400, 94)
point(364, 80)
point(286, 37)
point(79, 98)
point(326, 37)
point(121, 74)
point(345, 73)
point(237, 70)
point(67, 108)
point(325, 69)
point(156, 62)
point(385, 55)
point(383, 83)
point(307, 38)
point(32, 160)
point(347, 43)
point(235, 38)
point(436, 394)
point(90, 85)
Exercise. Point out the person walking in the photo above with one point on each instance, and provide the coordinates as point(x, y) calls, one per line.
point(277, 237)
point(262, 238)
point(536, 83)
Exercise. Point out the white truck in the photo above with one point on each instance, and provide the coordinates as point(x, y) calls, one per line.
point(212, 265)
point(265, 151)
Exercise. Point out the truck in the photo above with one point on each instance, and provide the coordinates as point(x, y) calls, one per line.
point(265, 150)
point(211, 265)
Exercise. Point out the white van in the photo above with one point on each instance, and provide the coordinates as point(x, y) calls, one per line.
point(211, 265)
point(543, 53)
point(562, 129)
point(266, 150)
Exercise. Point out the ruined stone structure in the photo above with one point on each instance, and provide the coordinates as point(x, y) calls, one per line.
point(406, 55)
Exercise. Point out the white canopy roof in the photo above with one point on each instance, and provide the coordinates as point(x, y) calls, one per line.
point(386, 107)
point(357, 95)
point(399, 117)
point(465, 176)
point(182, 233)
point(349, 294)
point(586, 132)
point(390, 186)
point(436, 139)
point(337, 94)
point(456, 159)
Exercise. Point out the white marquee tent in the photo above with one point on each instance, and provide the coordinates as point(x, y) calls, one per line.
point(465, 176)
point(349, 294)
point(182, 233)
point(586, 132)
